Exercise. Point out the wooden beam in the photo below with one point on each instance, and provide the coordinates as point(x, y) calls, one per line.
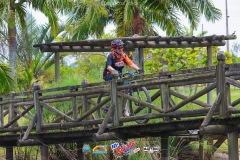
point(64, 116)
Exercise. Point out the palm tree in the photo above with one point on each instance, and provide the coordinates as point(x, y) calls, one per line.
point(137, 16)
point(15, 11)
point(32, 63)
point(5, 78)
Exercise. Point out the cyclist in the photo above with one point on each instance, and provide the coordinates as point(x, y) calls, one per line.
point(116, 62)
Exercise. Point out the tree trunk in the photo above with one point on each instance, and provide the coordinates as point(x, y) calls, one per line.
point(12, 42)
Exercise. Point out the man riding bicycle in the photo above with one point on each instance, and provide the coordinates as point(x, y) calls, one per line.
point(116, 62)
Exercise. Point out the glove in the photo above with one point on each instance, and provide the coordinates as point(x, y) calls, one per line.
point(114, 72)
point(140, 71)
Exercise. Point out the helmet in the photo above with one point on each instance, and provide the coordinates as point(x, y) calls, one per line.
point(117, 42)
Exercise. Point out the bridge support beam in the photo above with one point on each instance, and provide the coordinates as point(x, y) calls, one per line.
point(233, 146)
point(164, 148)
point(80, 155)
point(44, 152)
point(9, 153)
point(201, 147)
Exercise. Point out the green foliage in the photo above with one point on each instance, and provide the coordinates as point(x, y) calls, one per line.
point(69, 77)
point(89, 17)
point(180, 58)
point(90, 66)
point(5, 78)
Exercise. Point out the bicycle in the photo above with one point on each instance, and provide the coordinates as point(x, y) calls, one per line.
point(134, 108)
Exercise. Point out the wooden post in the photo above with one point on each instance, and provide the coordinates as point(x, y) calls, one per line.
point(80, 155)
point(164, 148)
point(135, 56)
point(220, 75)
point(9, 153)
point(232, 136)
point(201, 147)
point(44, 152)
point(85, 102)
point(138, 56)
point(165, 99)
point(209, 94)
point(39, 115)
point(233, 146)
point(74, 104)
point(11, 116)
point(57, 65)
point(1, 115)
point(141, 57)
point(38, 109)
point(11, 113)
point(209, 64)
point(115, 104)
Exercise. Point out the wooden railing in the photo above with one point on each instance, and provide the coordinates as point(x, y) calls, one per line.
point(28, 112)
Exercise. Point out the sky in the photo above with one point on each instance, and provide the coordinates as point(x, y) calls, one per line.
point(218, 28)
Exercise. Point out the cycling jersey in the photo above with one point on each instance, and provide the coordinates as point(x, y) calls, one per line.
point(117, 63)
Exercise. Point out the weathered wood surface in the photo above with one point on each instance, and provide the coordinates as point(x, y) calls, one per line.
point(84, 106)
point(135, 42)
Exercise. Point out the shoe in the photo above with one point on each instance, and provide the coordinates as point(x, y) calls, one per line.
point(125, 112)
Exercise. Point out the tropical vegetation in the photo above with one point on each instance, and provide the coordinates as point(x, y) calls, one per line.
point(21, 65)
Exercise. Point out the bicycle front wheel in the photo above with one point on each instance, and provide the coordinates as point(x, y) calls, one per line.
point(138, 109)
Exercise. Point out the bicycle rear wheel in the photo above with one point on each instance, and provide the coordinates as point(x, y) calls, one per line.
point(138, 109)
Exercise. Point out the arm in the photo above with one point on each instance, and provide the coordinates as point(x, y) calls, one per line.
point(134, 66)
point(110, 69)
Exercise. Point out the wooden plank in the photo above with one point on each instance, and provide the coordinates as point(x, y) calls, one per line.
point(190, 99)
point(68, 114)
point(18, 117)
point(30, 127)
point(105, 121)
point(212, 110)
point(90, 91)
point(233, 82)
point(145, 104)
point(64, 116)
point(198, 102)
point(236, 102)
point(108, 136)
point(90, 111)
point(175, 114)
point(65, 152)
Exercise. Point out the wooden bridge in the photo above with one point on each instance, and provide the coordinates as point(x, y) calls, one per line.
point(31, 118)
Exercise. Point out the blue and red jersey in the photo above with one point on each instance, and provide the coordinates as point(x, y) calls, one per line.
point(117, 63)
